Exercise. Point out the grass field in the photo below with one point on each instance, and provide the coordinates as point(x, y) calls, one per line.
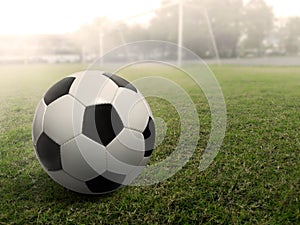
point(255, 179)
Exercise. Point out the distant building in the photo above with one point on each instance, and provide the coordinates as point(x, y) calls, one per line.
point(38, 49)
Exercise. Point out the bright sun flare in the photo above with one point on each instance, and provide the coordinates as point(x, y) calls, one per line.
point(60, 16)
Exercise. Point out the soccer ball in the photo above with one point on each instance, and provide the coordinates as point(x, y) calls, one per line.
point(93, 132)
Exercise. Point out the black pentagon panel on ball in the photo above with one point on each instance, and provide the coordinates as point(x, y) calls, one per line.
point(49, 153)
point(120, 81)
point(149, 136)
point(103, 184)
point(102, 123)
point(59, 89)
point(89, 128)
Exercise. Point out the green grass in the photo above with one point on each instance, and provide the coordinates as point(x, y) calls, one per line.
point(254, 179)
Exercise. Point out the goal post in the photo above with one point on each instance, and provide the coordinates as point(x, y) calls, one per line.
point(180, 5)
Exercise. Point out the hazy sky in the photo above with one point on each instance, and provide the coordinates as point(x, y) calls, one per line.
point(60, 16)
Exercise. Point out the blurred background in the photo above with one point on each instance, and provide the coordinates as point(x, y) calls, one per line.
point(227, 31)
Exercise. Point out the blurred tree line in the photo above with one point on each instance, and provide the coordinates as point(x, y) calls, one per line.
point(239, 29)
